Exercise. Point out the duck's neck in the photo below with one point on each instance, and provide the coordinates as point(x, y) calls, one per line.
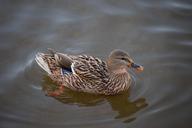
point(120, 80)
point(120, 74)
point(119, 71)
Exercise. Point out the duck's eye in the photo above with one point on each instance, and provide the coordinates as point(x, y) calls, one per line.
point(123, 59)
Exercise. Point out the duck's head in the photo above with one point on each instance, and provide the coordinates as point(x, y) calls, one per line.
point(120, 61)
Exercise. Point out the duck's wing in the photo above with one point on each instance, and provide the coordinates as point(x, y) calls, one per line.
point(90, 68)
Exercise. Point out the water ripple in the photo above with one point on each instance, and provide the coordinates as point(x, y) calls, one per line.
point(165, 29)
point(179, 5)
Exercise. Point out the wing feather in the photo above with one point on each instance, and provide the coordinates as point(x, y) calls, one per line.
point(90, 68)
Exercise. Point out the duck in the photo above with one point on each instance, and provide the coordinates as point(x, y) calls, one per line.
point(85, 73)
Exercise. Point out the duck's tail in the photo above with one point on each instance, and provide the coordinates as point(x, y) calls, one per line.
point(42, 63)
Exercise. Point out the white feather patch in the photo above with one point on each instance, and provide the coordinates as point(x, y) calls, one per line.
point(72, 68)
point(42, 63)
point(61, 72)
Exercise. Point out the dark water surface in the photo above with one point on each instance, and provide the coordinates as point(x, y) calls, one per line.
point(157, 34)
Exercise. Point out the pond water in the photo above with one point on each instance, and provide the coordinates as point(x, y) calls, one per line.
point(157, 34)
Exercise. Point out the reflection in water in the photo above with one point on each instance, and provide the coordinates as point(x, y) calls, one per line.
point(125, 107)
point(119, 103)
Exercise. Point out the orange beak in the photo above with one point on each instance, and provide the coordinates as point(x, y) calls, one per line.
point(138, 68)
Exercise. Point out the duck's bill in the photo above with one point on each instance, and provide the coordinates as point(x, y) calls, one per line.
point(137, 67)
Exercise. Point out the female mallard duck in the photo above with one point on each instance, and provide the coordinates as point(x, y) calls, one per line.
point(87, 73)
